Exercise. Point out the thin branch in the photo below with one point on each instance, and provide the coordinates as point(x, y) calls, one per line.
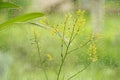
point(82, 45)
point(38, 49)
point(66, 52)
point(61, 38)
point(63, 61)
point(39, 25)
point(62, 44)
point(37, 45)
point(76, 33)
point(79, 47)
point(48, 27)
point(78, 72)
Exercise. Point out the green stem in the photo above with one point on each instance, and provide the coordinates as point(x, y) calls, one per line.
point(79, 47)
point(62, 44)
point(63, 60)
point(78, 72)
point(47, 27)
point(38, 49)
point(82, 45)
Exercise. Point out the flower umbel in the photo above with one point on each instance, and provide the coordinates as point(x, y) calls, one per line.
point(92, 52)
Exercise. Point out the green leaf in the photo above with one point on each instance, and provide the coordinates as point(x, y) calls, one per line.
point(22, 18)
point(7, 5)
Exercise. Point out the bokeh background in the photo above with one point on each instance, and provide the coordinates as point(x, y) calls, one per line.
point(18, 56)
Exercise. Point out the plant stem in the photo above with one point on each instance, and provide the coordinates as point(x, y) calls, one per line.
point(79, 47)
point(78, 72)
point(82, 45)
point(62, 44)
point(48, 28)
point(63, 60)
point(38, 49)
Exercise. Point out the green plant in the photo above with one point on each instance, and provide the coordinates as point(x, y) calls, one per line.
point(71, 28)
point(41, 62)
point(4, 5)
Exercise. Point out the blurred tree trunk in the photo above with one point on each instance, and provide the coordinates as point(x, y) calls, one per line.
point(51, 6)
point(97, 13)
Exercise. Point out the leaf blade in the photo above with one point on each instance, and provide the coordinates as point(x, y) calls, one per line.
point(7, 5)
point(22, 18)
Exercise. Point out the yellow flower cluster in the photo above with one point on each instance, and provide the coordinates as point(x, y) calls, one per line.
point(73, 24)
point(92, 52)
point(53, 31)
point(49, 57)
point(43, 20)
point(79, 20)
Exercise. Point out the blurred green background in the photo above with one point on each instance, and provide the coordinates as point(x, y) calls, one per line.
point(19, 59)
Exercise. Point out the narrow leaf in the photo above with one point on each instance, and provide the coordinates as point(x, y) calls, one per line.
point(7, 5)
point(22, 18)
